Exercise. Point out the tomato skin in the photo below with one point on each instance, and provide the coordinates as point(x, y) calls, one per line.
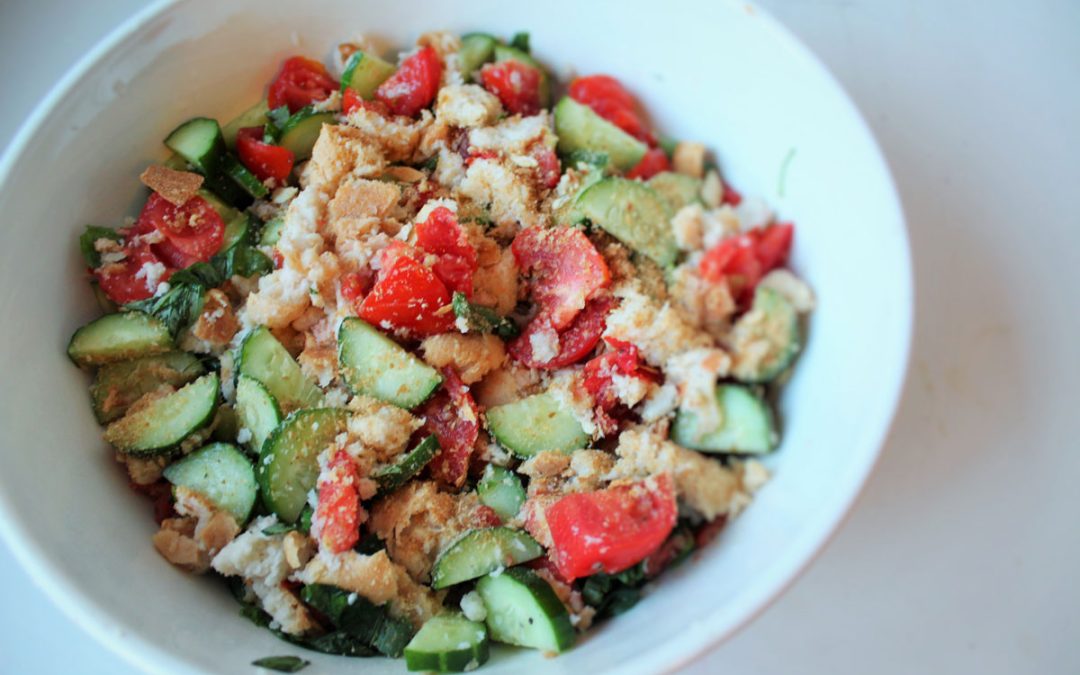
point(118, 280)
point(624, 359)
point(516, 84)
point(453, 416)
point(339, 513)
point(195, 228)
point(352, 101)
point(300, 82)
point(566, 270)
point(408, 296)
point(613, 529)
point(773, 244)
point(741, 261)
point(732, 197)
point(654, 161)
point(610, 100)
point(548, 168)
point(442, 235)
point(575, 342)
point(413, 87)
point(263, 159)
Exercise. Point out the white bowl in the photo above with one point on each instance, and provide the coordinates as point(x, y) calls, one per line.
point(720, 72)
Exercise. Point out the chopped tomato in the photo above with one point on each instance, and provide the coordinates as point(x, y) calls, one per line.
point(610, 100)
point(547, 166)
point(516, 84)
point(265, 160)
point(195, 228)
point(566, 270)
point(300, 82)
point(339, 513)
point(355, 285)
point(545, 564)
point(674, 548)
point(478, 155)
point(731, 197)
point(485, 516)
point(413, 87)
point(707, 532)
point(352, 101)
point(172, 256)
point(613, 529)
point(121, 281)
point(452, 415)
point(442, 235)
point(654, 161)
point(575, 342)
point(624, 359)
point(742, 260)
point(408, 296)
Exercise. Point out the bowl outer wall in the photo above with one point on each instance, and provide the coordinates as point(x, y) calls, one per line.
point(84, 538)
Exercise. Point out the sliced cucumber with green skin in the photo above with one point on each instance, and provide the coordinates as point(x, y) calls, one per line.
point(243, 177)
point(271, 231)
point(256, 410)
point(118, 385)
point(222, 474)
point(299, 133)
point(262, 357)
point(255, 116)
point(236, 230)
point(448, 643)
point(228, 214)
point(500, 489)
point(523, 610)
point(397, 474)
point(481, 552)
point(772, 320)
point(476, 50)
point(164, 423)
point(119, 337)
point(200, 142)
point(373, 364)
point(579, 128)
point(748, 424)
point(508, 53)
point(633, 214)
point(288, 466)
point(536, 424)
point(364, 73)
point(676, 189)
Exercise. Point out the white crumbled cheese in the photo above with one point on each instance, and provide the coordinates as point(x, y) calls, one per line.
point(544, 343)
point(243, 435)
point(792, 288)
point(630, 390)
point(719, 224)
point(695, 373)
point(335, 397)
point(462, 324)
point(657, 330)
point(162, 289)
point(753, 212)
point(473, 607)
point(351, 598)
point(688, 225)
point(433, 204)
point(511, 135)
point(467, 105)
point(662, 402)
point(151, 273)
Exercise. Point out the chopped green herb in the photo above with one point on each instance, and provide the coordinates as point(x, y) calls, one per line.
point(781, 180)
point(521, 41)
point(483, 319)
point(87, 239)
point(429, 164)
point(282, 664)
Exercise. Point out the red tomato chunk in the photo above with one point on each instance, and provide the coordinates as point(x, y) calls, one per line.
point(413, 87)
point(264, 160)
point(300, 82)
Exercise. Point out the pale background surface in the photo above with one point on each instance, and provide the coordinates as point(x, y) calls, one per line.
point(962, 554)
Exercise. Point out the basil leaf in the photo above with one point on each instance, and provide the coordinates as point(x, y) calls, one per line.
point(521, 41)
point(483, 319)
point(282, 664)
point(275, 122)
point(87, 239)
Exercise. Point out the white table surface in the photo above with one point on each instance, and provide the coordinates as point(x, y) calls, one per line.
point(962, 555)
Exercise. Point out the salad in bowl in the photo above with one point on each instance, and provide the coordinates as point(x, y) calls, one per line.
point(431, 351)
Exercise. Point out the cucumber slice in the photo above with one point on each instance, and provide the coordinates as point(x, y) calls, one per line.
point(523, 610)
point(236, 231)
point(220, 472)
point(257, 410)
point(255, 116)
point(772, 320)
point(399, 473)
point(226, 426)
point(508, 53)
point(748, 425)
point(579, 128)
point(119, 337)
point(244, 178)
point(676, 189)
point(200, 142)
point(364, 73)
point(535, 424)
point(476, 50)
point(228, 214)
point(262, 357)
point(448, 643)
point(299, 133)
point(373, 364)
point(271, 232)
point(500, 488)
point(288, 465)
point(118, 385)
point(633, 214)
point(481, 552)
point(161, 425)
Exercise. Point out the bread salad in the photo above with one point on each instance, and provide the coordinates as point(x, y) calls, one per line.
point(428, 351)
